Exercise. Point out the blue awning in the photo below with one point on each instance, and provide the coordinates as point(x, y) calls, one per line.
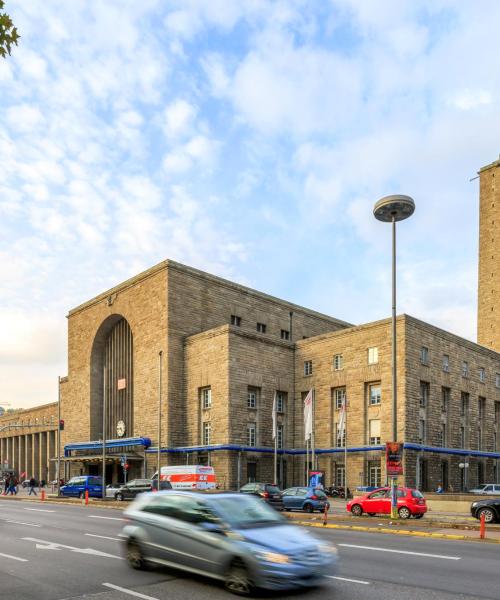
point(97, 445)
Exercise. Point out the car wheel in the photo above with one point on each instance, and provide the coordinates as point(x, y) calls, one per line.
point(372, 514)
point(404, 513)
point(489, 515)
point(237, 579)
point(119, 497)
point(308, 508)
point(356, 510)
point(419, 516)
point(135, 557)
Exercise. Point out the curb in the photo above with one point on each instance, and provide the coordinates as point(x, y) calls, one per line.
point(68, 502)
point(427, 534)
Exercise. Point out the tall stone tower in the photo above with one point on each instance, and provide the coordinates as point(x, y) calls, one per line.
point(488, 317)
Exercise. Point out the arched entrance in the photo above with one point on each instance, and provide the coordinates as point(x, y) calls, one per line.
point(112, 353)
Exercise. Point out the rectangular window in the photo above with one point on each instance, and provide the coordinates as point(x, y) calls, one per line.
point(252, 395)
point(464, 406)
point(497, 380)
point(481, 405)
point(424, 355)
point(206, 398)
point(442, 436)
point(462, 437)
point(482, 375)
point(479, 438)
point(445, 399)
point(235, 320)
point(497, 413)
point(465, 368)
point(251, 435)
point(281, 401)
point(207, 433)
point(372, 356)
point(374, 394)
point(421, 431)
point(280, 435)
point(308, 367)
point(374, 432)
point(446, 363)
point(338, 362)
point(374, 474)
point(338, 396)
point(340, 476)
point(424, 393)
point(251, 472)
point(261, 327)
point(285, 335)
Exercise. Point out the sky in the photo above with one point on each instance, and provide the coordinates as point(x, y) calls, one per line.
point(246, 138)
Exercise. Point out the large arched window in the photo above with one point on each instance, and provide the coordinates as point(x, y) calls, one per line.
point(112, 356)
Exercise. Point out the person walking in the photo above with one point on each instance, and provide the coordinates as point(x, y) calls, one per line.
point(32, 486)
point(12, 486)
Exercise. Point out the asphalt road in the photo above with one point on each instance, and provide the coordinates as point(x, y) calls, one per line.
point(56, 552)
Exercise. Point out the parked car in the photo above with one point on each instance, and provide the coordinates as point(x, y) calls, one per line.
point(112, 488)
point(307, 499)
point(490, 507)
point(76, 486)
point(411, 503)
point(235, 538)
point(487, 488)
point(267, 491)
point(130, 490)
point(164, 484)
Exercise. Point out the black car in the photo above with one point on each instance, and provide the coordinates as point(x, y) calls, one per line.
point(130, 490)
point(489, 507)
point(267, 491)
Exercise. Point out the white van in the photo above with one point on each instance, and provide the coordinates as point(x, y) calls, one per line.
point(188, 477)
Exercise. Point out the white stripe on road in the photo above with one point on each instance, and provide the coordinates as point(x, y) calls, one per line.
point(349, 580)
point(104, 537)
point(130, 592)
point(22, 523)
point(110, 518)
point(39, 510)
point(401, 552)
point(13, 557)
point(47, 545)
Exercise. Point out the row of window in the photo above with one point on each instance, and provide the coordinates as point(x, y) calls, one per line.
point(442, 436)
point(251, 434)
point(425, 360)
point(464, 402)
point(253, 397)
point(261, 327)
point(372, 358)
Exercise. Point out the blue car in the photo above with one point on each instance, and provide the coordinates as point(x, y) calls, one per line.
point(236, 538)
point(76, 486)
point(307, 499)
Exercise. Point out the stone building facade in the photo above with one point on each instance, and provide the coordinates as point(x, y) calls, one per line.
point(488, 322)
point(28, 442)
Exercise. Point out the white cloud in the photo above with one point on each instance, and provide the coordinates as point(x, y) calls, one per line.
point(469, 99)
point(179, 117)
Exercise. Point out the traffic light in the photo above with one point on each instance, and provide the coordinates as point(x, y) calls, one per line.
point(61, 424)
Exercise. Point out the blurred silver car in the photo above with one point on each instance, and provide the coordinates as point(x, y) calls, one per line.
point(235, 538)
point(487, 488)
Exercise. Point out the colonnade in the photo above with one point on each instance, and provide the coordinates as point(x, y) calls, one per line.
point(30, 453)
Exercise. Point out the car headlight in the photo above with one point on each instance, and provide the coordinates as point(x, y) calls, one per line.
point(327, 549)
point(474, 504)
point(273, 557)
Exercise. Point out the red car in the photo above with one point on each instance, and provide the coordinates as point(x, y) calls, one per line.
point(411, 503)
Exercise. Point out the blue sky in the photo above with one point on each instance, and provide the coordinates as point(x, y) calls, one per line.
point(249, 139)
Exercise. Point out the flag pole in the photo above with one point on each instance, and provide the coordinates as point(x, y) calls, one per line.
point(313, 441)
point(307, 462)
point(345, 448)
point(275, 435)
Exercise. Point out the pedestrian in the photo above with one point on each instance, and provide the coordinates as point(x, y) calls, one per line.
point(5, 485)
point(42, 483)
point(32, 485)
point(439, 489)
point(12, 486)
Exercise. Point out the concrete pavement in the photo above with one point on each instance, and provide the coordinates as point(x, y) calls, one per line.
point(59, 551)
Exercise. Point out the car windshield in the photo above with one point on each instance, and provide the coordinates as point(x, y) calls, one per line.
point(272, 489)
point(417, 494)
point(320, 493)
point(246, 512)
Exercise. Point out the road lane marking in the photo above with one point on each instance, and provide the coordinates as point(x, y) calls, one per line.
point(129, 592)
point(110, 518)
point(104, 537)
point(401, 552)
point(13, 557)
point(46, 545)
point(22, 523)
point(347, 579)
point(39, 510)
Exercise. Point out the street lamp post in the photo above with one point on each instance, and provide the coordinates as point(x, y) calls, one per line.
point(158, 456)
point(392, 209)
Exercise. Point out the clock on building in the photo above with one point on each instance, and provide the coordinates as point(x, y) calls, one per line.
point(120, 428)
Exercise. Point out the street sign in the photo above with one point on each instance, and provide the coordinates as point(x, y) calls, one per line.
point(394, 458)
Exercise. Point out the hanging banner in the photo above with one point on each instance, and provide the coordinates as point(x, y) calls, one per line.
point(394, 458)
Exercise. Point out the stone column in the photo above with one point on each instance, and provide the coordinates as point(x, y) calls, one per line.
point(2, 452)
point(42, 437)
point(35, 461)
point(29, 457)
point(22, 454)
point(50, 454)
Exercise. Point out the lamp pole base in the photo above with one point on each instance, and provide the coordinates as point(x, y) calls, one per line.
point(394, 499)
